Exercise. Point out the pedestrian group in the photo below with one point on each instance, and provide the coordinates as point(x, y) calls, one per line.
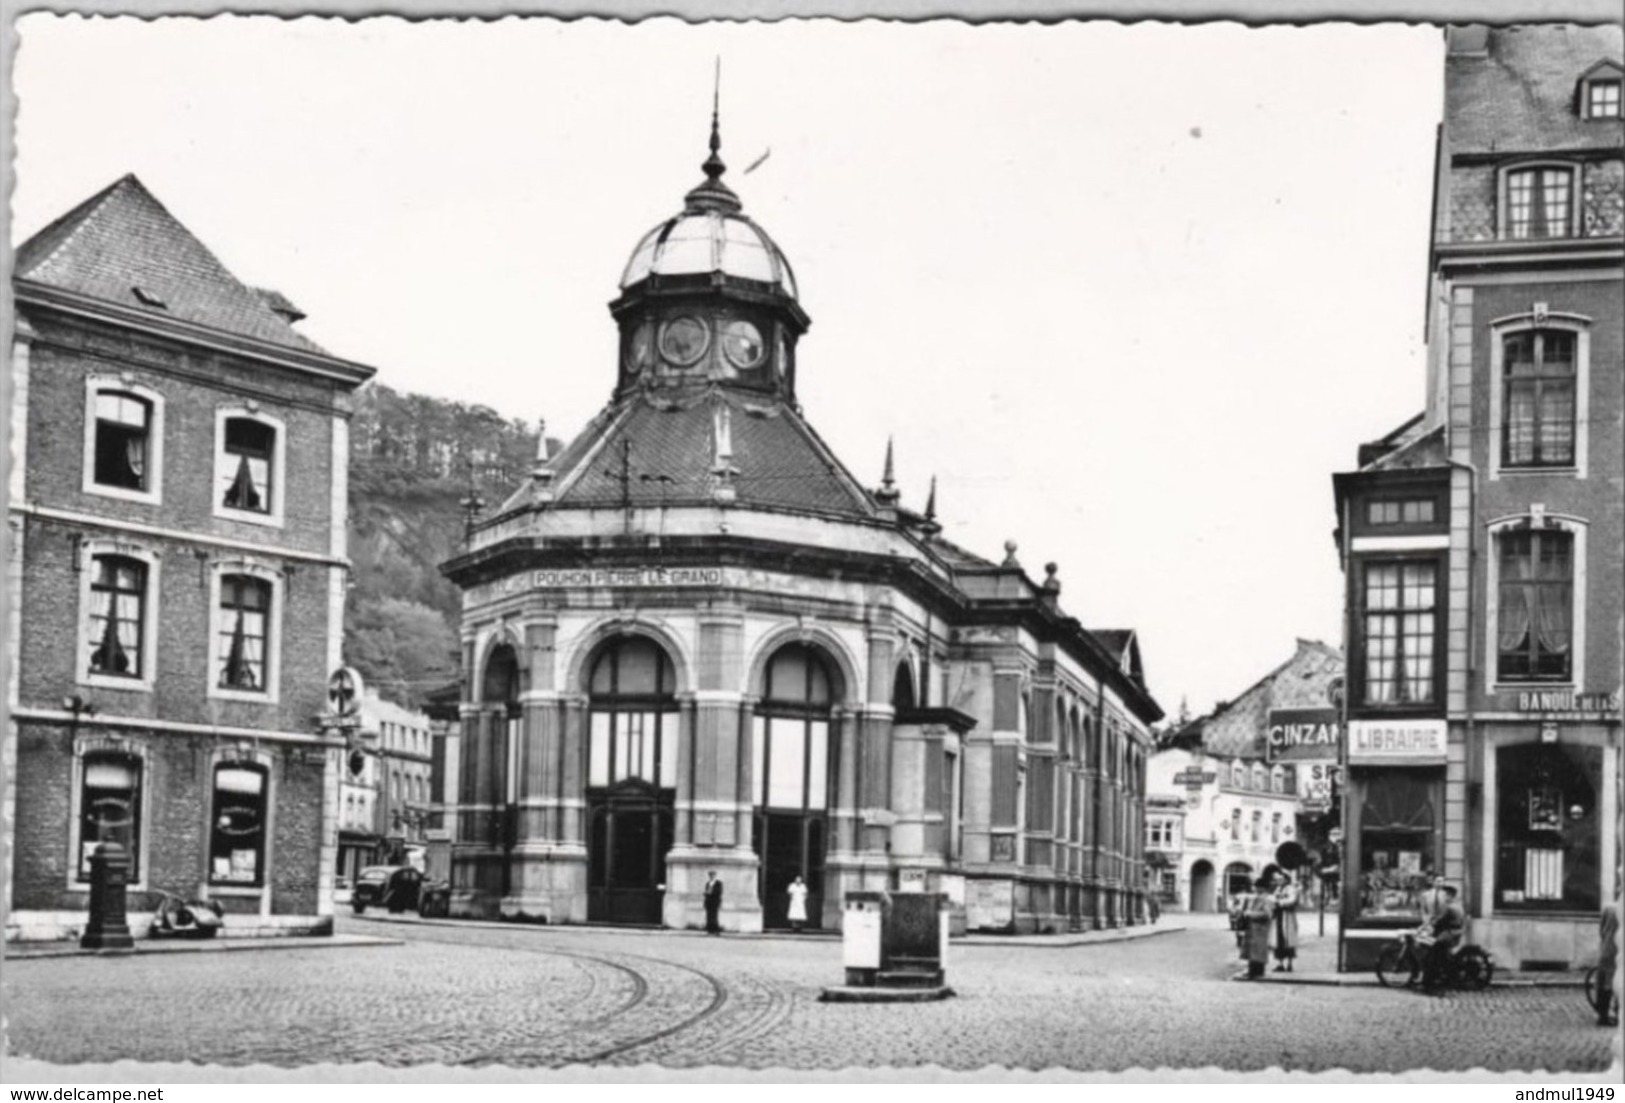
point(1265, 919)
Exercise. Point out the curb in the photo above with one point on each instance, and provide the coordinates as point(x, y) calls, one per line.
point(1369, 980)
point(15, 952)
point(1059, 941)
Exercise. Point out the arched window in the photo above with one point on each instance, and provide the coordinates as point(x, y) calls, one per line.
point(1238, 775)
point(902, 689)
point(1260, 779)
point(633, 710)
point(1277, 779)
point(118, 614)
point(790, 745)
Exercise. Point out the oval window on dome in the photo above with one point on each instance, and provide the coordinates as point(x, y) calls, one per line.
point(683, 340)
point(742, 344)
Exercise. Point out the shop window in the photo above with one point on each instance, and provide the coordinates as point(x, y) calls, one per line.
point(237, 831)
point(1398, 832)
point(1538, 202)
point(1535, 605)
point(110, 808)
point(1538, 375)
point(1548, 831)
point(1400, 622)
point(118, 616)
point(633, 716)
point(245, 605)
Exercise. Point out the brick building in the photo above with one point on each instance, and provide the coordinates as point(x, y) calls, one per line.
point(177, 576)
point(1484, 541)
point(695, 641)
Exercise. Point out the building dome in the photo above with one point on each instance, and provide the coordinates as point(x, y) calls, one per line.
point(710, 235)
point(700, 241)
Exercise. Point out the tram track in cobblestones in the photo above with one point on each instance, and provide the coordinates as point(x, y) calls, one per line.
point(641, 987)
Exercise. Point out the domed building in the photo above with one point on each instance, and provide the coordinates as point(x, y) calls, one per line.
point(695, 642)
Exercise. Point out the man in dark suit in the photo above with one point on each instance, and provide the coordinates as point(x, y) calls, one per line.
point(713, 902)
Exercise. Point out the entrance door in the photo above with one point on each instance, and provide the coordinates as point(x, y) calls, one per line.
point(631, 781)
point(1202, 886)
point(789, 845)
point(626, 865)
point(792, 757)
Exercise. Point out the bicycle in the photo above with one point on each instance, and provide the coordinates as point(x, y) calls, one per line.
point(1592, 995)
point(1403, 962)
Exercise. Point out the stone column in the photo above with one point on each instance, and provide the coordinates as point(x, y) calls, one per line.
point(715, 784)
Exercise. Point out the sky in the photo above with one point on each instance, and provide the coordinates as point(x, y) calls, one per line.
point(1131, 293)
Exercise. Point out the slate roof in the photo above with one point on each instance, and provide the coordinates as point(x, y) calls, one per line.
point(1519, 96)
point(781, 462)
point(1237, 729)
point(121, 239)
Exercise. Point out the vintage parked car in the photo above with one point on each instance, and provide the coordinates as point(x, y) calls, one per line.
point(394, 888)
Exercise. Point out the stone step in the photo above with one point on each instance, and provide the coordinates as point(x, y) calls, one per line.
point(909, 978)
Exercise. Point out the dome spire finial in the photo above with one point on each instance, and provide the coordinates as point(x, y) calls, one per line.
point(712, 194)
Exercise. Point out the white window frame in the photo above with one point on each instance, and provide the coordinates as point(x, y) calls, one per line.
point(272, 693)
point(1503, 205)
point(90, 744)
point(1603, 76)
point(83, 675)
point(223, 467)
point(1577, 529)
point(1500, 330)
point(101, 383)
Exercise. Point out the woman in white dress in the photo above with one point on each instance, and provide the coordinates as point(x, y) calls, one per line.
point(798, 904)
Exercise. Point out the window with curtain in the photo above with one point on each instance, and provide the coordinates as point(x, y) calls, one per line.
point(245, 605)
point(1538, 407)
point(633, 716)
point(123, 428)
point(118, 607)
point(1535, 609)
point(250, 447)
point(237, 831)
point(1399, 620)
point(110, 808)
point(1548, 827)
point(1539, 202)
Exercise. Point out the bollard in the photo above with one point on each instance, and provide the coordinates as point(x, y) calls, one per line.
point(108, 929)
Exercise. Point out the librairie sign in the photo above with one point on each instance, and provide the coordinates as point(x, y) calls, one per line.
point(1418, 741)
point(1299, 735)
point(635, 577)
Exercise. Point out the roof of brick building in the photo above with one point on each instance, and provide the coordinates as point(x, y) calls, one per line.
point(122, 246)
point(1519, 94)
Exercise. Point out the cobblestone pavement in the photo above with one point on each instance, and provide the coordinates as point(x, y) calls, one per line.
point(492, 994)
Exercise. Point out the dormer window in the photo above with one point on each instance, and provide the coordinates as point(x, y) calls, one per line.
point(1602, 99)
point(1538, 202)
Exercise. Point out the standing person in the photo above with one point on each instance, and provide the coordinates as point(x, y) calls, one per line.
point(798, 904)
point(1257, 911)
point(1607, 962)
point(1286, 923)
point(713, 903)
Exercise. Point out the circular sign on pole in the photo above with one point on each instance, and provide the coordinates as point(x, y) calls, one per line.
point(344, 691)
point(1334, 692)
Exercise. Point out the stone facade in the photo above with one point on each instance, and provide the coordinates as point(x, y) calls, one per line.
point(694, 643)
